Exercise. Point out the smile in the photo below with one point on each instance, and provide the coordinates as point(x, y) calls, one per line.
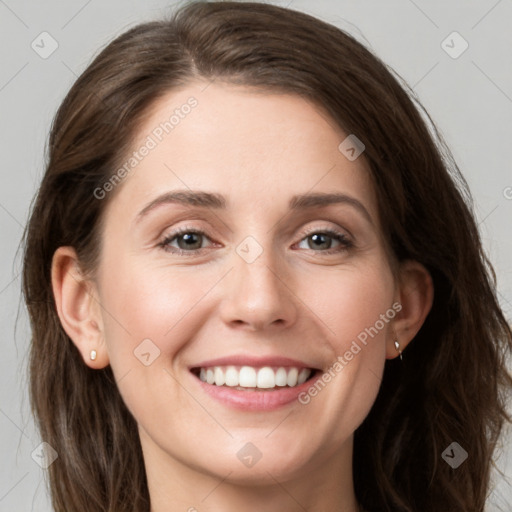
point(254, 383)
point(250, 377)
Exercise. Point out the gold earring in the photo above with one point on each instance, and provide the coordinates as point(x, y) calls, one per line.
point(93, 355)
point(397, 346)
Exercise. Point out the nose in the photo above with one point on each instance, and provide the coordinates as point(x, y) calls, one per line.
point(259, 295)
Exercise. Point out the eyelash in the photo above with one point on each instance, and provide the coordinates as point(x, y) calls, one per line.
point(345, 242)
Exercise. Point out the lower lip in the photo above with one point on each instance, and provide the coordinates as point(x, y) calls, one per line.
point(262, 400)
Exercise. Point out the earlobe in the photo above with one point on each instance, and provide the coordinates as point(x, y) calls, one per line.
point(416, 290)
point(78, 308)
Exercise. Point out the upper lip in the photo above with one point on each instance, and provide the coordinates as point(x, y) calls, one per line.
point(245, 360)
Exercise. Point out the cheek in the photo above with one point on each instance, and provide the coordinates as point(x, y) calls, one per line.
point(147, 316)
point(351, 300)
point(141, 303)
point(356, 305)
point(153, 301)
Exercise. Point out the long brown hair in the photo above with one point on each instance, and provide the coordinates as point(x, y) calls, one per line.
point(452, 383)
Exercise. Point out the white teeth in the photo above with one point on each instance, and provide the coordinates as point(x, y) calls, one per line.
point(232, 376)
point(247, 377)
point(292, 377)
point(250, 377)
point(281, 377)
point(303, 376)
point(266, 378)
point(219, 376)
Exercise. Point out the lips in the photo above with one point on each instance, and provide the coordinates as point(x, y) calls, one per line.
point(244, 373)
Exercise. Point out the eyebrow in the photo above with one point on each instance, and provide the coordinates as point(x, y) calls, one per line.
point(217, 201)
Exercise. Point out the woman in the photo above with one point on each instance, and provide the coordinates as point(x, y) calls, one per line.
point(195, 347)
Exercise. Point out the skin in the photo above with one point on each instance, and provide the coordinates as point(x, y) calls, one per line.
point(257, 149)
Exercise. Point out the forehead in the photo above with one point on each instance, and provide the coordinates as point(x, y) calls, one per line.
point(255, 147)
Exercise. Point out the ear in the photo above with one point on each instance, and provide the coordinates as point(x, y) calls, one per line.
point(78, 307)
point(416, 295)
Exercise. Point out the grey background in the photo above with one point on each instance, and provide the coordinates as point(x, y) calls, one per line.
point(470, 99)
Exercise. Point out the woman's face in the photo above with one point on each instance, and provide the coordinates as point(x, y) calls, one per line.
point(264, 283)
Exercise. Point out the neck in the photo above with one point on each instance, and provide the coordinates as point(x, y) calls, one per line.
point(324, 484)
